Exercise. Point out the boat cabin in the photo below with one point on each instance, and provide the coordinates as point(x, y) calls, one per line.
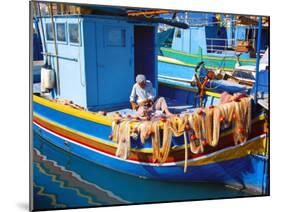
point(209, 35)
point(96, 58)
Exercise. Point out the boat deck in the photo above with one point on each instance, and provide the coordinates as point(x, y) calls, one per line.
point(174, 105)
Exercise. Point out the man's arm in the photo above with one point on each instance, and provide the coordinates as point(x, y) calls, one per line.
point(134, 105)
point(132, 98)
point(133, 94)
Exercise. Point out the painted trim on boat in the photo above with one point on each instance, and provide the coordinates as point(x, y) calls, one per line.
point(252, 146)
point(93, 138)
point(74, 112)
point(208, 57)
point(256, 145)
point(104, 142)
point(173, 61)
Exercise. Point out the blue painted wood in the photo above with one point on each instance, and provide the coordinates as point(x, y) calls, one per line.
point(71, 63)
point(190, 40)
point(114, 62)
point(247, 171)
point(98, 72)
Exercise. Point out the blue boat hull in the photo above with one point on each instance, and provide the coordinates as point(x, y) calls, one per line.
point(179, 75)
point(249, 173)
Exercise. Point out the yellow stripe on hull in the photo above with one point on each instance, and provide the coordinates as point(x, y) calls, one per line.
point(148, 150)
point(258, 146)
point(74, 112)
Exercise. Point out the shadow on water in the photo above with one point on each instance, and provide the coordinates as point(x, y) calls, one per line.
point(64, 180)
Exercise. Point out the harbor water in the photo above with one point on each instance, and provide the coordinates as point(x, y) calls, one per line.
point(63, 180)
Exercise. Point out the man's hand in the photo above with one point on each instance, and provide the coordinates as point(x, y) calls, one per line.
point(134, 106)
point(147, 102)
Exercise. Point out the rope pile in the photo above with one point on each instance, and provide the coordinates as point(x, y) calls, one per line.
point(200, 128)
point(68, 103)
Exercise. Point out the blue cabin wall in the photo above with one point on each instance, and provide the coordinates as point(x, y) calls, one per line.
point(91, 74)
point(99, 71)
point(240, 33)
point(190, 40)
point(71, 63)
point(115, 62)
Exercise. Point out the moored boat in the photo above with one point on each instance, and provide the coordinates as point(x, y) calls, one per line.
point(220, 41)
point(92, 64)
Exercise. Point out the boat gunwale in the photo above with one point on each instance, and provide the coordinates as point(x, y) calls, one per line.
point(207, 57)
point(199, 161)
point(143, 150)
point(173, 61)
point(90, 116)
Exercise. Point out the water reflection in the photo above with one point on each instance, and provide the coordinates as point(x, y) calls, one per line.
point(63, 180)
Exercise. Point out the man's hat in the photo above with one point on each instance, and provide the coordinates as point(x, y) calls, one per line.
point(140, 78)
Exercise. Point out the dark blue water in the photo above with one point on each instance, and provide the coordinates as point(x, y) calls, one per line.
point(63, 180)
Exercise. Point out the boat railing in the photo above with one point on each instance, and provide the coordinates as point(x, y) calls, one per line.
point(223, 44)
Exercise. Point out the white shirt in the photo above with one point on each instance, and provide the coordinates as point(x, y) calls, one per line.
point(142, 93)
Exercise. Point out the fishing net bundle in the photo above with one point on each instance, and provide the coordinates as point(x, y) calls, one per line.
point(69, 103)
point(200, 128)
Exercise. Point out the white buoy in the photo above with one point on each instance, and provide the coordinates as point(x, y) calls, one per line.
point(47, 79)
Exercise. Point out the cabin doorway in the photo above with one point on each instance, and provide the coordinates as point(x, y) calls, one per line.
point(144, 52)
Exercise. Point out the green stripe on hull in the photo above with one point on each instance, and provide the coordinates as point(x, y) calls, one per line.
point(213, 62)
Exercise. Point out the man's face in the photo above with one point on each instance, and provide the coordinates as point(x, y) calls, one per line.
point(142, 84)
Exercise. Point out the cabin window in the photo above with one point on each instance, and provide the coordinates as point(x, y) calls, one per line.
point(178, 33)
point(49, 32)
point(116, 37)
point(74, 36)
point(61, 32)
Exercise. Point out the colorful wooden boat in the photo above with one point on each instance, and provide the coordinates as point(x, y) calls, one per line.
point(86, 135)
point(91, 58)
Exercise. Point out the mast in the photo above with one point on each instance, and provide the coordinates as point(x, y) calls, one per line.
point(258, 59)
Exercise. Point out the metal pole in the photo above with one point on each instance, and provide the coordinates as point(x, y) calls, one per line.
point(56, 49)
point(258, 58)
point(42, 32)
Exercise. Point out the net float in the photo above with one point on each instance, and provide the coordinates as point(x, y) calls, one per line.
point(193, 137)
point(204, 142)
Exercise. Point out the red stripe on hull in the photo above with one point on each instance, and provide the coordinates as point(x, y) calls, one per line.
point(174, 156)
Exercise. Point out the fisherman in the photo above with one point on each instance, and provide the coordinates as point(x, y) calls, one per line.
point(143, 99)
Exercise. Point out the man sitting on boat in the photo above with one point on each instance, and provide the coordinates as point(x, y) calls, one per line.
point(142, 98)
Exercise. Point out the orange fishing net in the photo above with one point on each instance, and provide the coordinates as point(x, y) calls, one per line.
point(200, 128)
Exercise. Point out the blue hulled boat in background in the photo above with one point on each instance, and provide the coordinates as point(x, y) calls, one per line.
point(221, 41)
